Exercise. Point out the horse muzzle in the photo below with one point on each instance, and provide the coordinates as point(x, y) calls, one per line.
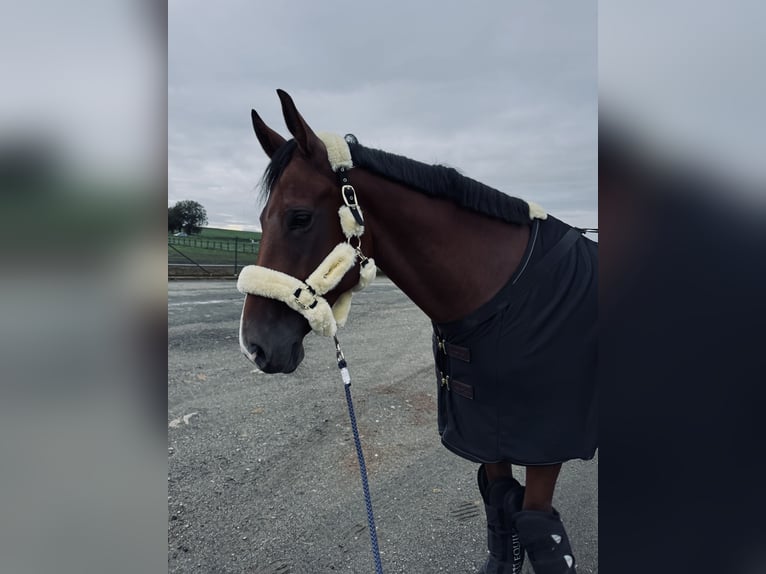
point(273, 344)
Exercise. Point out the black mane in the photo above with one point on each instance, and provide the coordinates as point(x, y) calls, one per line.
point(442, 181)
point(433, 180)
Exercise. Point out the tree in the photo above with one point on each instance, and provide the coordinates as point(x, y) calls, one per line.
point(186, 215)
point(174, 220)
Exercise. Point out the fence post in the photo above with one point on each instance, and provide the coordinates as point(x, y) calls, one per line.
point(235, 255)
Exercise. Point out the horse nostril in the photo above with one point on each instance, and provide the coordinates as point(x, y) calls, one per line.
point(259, 357)
point(256, 351)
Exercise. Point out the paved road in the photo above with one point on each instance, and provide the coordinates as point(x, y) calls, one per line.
point(262, 475)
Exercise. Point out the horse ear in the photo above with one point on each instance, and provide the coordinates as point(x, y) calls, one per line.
point(304, 136)
point(270, 140)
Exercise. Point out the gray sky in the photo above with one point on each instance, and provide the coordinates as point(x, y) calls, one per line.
point(506, 92)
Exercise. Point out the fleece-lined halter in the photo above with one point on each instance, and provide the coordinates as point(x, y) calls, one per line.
point(306, 296)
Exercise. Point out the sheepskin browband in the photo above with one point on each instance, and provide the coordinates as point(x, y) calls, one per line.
point(306, 297)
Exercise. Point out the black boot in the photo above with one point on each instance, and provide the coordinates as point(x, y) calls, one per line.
point(543, 536)
point(502, 498)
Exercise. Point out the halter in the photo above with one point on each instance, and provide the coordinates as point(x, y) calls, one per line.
point(306, 296)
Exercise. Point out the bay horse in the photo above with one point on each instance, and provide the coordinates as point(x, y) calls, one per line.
point(510, 290)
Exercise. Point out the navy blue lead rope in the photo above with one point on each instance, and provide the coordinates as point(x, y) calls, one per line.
point(343, 366)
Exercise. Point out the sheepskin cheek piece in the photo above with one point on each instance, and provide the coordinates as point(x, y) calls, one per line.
point(348, 222)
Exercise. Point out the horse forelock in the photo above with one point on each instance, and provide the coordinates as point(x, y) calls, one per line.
point(276, 167)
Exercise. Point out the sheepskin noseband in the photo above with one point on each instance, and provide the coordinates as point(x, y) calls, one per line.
point(306, 296)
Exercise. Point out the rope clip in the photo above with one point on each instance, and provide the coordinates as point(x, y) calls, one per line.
point(339, 354)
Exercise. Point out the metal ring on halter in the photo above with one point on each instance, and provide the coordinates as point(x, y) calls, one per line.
point(363, 259)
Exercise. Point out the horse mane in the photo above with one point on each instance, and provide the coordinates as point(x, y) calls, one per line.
point(432, 180)
point(442, 181)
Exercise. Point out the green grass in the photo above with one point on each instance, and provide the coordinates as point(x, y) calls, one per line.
point(209, 256)
point(215, 233)
point(218, 239)
point(215, 246)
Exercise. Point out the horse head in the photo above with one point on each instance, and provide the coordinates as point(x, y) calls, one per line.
point(300, 227)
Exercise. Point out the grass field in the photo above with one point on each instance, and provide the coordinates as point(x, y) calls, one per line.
point(228, 234)
point(213, 246)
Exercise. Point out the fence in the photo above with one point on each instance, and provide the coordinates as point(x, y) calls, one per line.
point(236, 244)
point(210, 257)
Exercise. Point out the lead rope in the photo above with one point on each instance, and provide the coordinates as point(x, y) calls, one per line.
point(344, 374)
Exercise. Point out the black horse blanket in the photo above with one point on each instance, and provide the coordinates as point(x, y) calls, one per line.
point(517, 377)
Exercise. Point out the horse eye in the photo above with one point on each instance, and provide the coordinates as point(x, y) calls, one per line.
point(299, 220)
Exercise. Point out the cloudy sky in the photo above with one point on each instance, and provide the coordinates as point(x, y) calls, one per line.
point(506, 92)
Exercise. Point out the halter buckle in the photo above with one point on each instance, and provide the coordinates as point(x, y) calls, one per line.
point(297, 297)
point(349, 195)
point(349, 198)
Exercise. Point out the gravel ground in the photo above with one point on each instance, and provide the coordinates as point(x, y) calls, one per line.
point(262, 472)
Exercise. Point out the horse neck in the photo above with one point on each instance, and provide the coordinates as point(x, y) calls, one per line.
point(447, 260)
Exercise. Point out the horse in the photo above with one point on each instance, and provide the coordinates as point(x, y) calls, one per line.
point(510, 290)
